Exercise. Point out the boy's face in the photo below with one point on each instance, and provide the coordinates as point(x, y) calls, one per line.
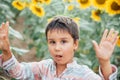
point(61, 46)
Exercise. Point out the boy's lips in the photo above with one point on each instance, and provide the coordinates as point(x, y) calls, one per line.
point(58, 57)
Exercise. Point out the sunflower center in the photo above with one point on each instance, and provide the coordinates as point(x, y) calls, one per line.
point(115, 6)
point(97, 12)
point(100, 1)
point(83, 1)
point(38, 9)
point(40, 1)
point(19, 4)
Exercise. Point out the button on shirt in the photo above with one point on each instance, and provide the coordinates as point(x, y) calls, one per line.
point(46, 70)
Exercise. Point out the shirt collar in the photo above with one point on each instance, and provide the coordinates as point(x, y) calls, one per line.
point(72, 64)
point(69, 65)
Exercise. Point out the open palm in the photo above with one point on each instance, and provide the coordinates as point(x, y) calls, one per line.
point(4, 41)
point(107, 44)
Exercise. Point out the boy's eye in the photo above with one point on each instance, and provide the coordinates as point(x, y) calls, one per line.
point(63, 41)
point(52, 42)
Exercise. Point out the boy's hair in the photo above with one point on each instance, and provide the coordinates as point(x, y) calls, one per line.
point(65, 24)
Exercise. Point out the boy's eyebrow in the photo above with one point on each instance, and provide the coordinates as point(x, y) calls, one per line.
point(60, 38)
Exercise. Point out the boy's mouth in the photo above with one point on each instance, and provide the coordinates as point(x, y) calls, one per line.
point(58, 56)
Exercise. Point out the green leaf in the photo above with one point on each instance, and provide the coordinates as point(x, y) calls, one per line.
point(19, 51)
point(4, 6)
point(15, 33)
point(83, 60)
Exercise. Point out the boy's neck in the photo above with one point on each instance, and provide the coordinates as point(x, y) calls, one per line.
point(60, 69)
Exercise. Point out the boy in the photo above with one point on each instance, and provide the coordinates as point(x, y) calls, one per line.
point(62, 36)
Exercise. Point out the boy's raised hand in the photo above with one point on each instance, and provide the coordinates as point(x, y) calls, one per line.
point(4, 41)
point(106, 46)
point(104, 51)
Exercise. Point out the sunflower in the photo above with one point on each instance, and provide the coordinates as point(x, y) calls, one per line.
point(37, 10)
point(112, 7)
point(19, 5)
point(96, 15)
point(76, 19)
point(100, 4)
point(118, 1)
point(118, 42)
point(28, 4)
point(84, 3)
point(47, 2)
point(70, 7)
point(37, 1)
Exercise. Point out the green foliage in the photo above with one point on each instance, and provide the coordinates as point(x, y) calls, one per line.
point(89, 30)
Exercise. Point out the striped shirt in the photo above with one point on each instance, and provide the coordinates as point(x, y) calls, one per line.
point(46, 70)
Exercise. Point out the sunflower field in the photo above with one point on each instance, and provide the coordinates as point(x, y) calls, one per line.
point(92, 16)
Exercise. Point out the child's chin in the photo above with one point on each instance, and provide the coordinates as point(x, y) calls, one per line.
point(60, 62)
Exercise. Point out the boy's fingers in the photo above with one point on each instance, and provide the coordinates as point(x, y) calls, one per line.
point(110, 35)
point(3, 24)
point(0, 28)
point(95, 45)
point(104, 36)
point(6, 26)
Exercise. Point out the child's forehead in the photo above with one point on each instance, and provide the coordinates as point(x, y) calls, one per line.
point(59, 31)
point(58, 35)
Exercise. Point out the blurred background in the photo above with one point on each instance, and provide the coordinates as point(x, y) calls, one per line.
point(28, 20)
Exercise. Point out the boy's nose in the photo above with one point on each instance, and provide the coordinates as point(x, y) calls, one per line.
point(57, 47)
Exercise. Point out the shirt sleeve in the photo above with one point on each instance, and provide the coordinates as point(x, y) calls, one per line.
point(113, 76)
point(88, 74)
point(22, 71)
point(0, 60)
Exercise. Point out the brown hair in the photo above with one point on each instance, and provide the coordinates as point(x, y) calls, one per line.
point(65, 24)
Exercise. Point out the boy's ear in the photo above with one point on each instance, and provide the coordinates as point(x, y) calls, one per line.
point(76, 43)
